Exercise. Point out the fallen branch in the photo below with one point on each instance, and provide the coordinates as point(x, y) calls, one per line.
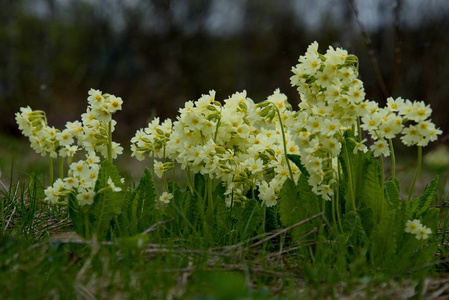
point(280, 232)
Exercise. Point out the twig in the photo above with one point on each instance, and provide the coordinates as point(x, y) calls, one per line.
point(153, 227)
point(369, 45)
point(280, 232)
point(189, 251)
point(291, 249)
point(397, 47)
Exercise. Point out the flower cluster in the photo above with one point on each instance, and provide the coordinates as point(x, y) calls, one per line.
point(386, 123)
point(332, 100)
point(245, 145)
point(93, 134)
point(45, 140)
point(228, 142)
point(415, 227)
point(82, 177)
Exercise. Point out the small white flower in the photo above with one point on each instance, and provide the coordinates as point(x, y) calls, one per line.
point(413, 226)
point(112, 185)
point(166, 197)
point(423, 233)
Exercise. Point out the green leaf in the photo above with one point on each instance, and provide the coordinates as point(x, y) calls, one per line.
point(426, 200)
point(297, 203)
point(392, 192)
point(308, 201)
point(252, 218)
point(108, 203)
point(76, 216)
point(193, 213)
point(352, 167)
point(144, 204)
point(221, 211)
point(139, 207)
point(370, 193)
point(367, 219)
point(199, 185)
point(383, 238)
point(271, 219)
point(289, 204)
point(353, 229)
point(430, 219)
point(127, 226)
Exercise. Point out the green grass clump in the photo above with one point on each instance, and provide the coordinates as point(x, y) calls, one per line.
point(41, 257)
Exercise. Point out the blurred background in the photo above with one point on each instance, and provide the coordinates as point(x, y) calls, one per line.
point(157, 54)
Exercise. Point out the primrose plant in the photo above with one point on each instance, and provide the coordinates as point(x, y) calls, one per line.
point(93, 134)
point(267, 160)
point(305, 161)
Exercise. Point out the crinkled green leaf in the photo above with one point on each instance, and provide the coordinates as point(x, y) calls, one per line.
point(108, 203)
point(428, 197)
point(392, 192)
point(289, 204)
point(76, 216)
point(430, 219)
point(297, 203)
point(370, 193)
point(353, 229)
point(383, 238)
point(252, 218)
point(367, 219)
point(221, 211)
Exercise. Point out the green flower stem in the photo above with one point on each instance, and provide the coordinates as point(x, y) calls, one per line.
point(118, 226)
point(351, 188)
point(164, 175)
point(216, 129)
point(189, 181)
point(152, 166)
point(393, 159)
point(337, 202)
point(86, 224)
point(110, 141)
point(285, 145)
point(359, 130)
point(210, 202)
point(382, 187)
point(2, 214)
point(418, 169)
point(334, 219)
point(61, 167)
point(50, 166)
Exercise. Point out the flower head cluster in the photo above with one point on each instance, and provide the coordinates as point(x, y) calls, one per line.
point(386, 123)
point(45, 140)
point(81, 181)
point(93, 134)
point(245, 145)
point(415, 227)
point(332, 99)
point(97, 125)
point(229, 142)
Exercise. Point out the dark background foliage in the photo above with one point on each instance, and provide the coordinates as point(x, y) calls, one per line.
point(157, 54)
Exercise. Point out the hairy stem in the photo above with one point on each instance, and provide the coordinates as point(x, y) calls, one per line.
point(418, 169)
point(285, 145)
point(393, 159)
point(50, 166)
point(351, 187)
point(110, 141)
point(61, 167)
